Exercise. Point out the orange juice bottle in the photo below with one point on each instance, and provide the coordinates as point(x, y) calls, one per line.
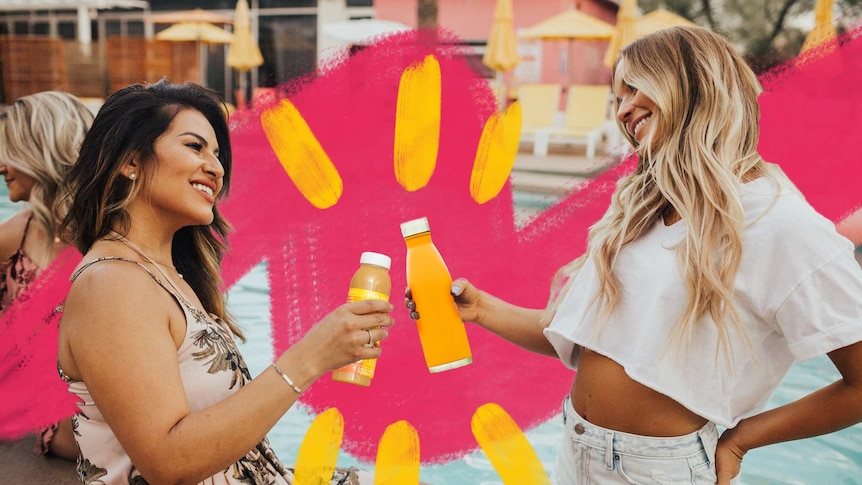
point(370, 282)
point(441, 330)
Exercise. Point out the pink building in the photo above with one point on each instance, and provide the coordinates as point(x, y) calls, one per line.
point(564, 62)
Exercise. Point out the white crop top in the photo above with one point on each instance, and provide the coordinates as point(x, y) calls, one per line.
point(798, 293)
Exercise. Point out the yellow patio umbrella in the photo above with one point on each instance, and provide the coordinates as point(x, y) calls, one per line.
point(571, 24)
point(824, 29)
point(660, 19)
point(244, 53)
point(195, 32)
point(200, 33)
point(625, 31)
point(501, 53)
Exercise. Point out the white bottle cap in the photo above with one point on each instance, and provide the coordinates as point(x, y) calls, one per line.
point(376, 259)
point(416, 226)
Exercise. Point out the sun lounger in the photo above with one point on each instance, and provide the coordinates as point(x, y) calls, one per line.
point(587, 109)
point(539, 104)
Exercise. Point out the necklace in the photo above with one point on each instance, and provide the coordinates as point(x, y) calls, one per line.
point(180, 294)
point(140, 253)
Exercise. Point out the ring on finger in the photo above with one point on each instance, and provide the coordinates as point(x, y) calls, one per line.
point(370, 343)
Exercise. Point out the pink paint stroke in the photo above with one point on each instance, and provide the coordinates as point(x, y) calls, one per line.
point(311, 253)
point(808, 112)
point(34, 396)
point(806, 128)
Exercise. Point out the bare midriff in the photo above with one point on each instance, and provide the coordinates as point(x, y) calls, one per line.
point(606, 396)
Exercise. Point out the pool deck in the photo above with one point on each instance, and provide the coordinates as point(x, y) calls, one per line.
point(20, 465)
point(555, 173)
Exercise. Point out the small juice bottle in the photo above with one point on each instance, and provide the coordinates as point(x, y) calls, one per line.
point(370, 282)
point(441, 330)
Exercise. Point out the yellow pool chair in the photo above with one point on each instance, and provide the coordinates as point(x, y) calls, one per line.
point(587, 109)
point(539, 105)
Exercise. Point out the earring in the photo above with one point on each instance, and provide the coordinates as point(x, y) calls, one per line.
point(133, 176)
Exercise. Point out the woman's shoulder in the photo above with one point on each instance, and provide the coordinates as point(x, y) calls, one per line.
point(110, 270)
point(110, 295)
point(779, 219)
point(779, 203)
point(11, 233)
point(116, 279)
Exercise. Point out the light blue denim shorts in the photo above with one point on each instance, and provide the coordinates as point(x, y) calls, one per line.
point(594, 455)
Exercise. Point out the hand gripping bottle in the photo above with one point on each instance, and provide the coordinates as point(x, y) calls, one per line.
point(370, 282)
point(441, 330)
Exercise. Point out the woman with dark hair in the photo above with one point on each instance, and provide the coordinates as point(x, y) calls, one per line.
point(145, 340)
point(40, 135)
point(706, 278)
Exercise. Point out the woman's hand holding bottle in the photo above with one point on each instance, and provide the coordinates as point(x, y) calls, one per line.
point(467, 300)
point(519, 325)
point(345, 335)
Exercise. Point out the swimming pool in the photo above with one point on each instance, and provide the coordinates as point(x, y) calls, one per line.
point(831, 459)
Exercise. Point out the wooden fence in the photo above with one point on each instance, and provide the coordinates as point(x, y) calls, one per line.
point(32, 64)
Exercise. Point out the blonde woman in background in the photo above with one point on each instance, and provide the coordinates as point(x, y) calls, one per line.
point(708, 276)
point(40, 136)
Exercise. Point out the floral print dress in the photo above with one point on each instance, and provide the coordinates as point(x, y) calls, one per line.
point(211, 368)
point(16, 273)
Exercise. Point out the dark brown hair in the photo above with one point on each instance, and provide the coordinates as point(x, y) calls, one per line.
point(127, 127)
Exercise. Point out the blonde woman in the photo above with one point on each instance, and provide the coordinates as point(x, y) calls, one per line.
point(706, 278)
point(40, 135)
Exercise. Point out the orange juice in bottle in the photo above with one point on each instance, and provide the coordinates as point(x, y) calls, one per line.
point(441, 330)
point(369, 282)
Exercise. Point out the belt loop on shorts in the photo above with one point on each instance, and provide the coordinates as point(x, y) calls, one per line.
point(708, 447)
point(609, 449)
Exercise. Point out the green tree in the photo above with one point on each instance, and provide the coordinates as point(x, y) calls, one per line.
point(763, 29)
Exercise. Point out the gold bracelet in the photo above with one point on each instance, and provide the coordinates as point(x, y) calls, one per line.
point(288, 380)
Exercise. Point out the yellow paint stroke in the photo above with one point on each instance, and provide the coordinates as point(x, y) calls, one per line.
point(301, 155)
point(496, 154)
point(398, 456)
point(318, 453)
point(506, 447)
point(417, 124)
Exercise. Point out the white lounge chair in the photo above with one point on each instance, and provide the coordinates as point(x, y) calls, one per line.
point(539, 104)
point(587, 110)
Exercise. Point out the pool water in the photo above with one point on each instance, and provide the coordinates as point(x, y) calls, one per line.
point(827, 460)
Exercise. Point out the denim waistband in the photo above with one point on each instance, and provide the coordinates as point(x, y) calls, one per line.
point(579, 428)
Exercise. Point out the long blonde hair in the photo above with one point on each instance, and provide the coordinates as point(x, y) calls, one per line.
point(40, 136)
point(707, 124)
